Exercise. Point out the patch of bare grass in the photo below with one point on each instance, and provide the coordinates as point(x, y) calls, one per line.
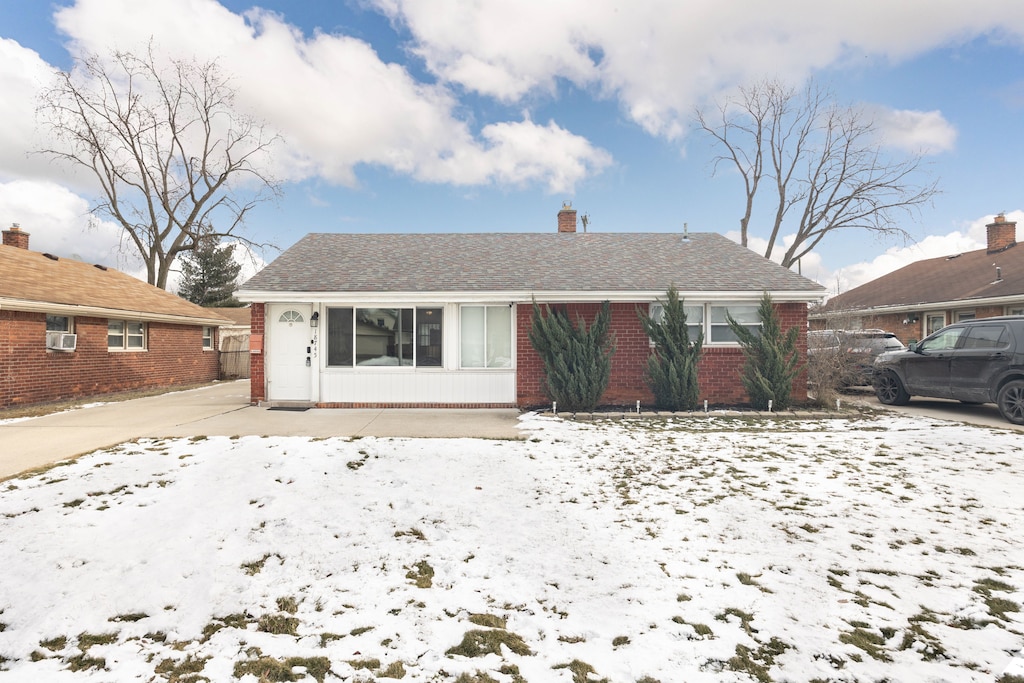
point(271, 670)
point(478, 643)
point(278, 624)
point(181, 671)
point(581, 672)
point(868, 641)
point(488, 620)
point(421, 574)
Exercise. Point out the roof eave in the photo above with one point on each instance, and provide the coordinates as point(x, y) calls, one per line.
point(551, 296)
point(102, 312)
point(922, 306)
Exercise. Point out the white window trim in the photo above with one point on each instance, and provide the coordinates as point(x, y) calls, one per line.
point(934, 315)
point(512, 340)
point(124, 348)
point(354, 367)
point(210, 330)
point(706, 318)
point(71, 323)
point(656, 310)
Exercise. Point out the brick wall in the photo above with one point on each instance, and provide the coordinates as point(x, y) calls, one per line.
point(718, 374)
point(257, 383)
point(30, 374)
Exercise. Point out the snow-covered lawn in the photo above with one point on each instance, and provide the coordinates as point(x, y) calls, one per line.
point(693, 549)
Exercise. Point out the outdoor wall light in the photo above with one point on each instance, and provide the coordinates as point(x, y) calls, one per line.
point(314, 320)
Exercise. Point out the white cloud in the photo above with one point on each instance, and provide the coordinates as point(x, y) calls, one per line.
point(927, 132)
point(660, 58)
point(337, 104)
point(58, 221)
point(22, 74)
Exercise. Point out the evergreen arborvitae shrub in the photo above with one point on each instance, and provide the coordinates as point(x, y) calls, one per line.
point(209, 274)
point(577, 360)
point(672, 367)
point(772, 361)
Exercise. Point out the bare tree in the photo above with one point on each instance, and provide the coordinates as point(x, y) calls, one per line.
point(824, 162)
point(173, 157)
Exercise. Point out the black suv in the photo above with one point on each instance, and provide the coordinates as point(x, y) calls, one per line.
point(857, 349)
point(977, 361)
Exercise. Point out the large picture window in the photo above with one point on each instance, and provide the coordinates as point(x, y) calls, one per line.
point(486, 336)
point(387, 337)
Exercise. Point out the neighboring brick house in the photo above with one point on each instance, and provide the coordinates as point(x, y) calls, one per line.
point(432, 320)
point(925, 296)
point(69, 329)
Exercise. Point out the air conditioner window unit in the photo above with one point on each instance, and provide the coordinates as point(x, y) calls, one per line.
point(61, 341)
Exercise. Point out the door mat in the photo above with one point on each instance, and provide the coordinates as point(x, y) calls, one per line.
point(293, 409)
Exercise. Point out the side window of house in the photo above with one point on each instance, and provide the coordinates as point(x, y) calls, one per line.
point(935, 322)
point(126, 335)
point(694, 318)
point(744, 314)
point(58, 323)
point(207, 338)
point(60, 333)
point(486, 336)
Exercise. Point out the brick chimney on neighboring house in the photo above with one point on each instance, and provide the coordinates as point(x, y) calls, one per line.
point(567, 218)
point(1002, 234)
point(15, 237)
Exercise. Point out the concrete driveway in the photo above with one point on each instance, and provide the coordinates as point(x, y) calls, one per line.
point(985, 415)
point(223, 410)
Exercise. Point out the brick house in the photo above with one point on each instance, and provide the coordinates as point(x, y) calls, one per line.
point(925, 296)
point(432, 320)
point(70, 329)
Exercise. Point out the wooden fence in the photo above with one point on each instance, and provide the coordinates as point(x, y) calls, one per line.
point(234, 357)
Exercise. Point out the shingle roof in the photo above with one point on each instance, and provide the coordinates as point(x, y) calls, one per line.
point(29, 277)
point(958, 278)
point(239, 316)
point(550, 262)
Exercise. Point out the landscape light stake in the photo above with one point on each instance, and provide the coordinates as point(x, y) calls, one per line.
point(638, 407)
point(554, 407)
point(705, 405)
point(769, 405)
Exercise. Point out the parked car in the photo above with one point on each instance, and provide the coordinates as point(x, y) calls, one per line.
point(856, 350)
point(977, 361)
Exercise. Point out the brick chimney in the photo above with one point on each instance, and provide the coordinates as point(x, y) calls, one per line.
point(567, 218)
point(1002, 234)
point(15, 237)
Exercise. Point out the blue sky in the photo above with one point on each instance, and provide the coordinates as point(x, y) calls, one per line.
point(459, 116)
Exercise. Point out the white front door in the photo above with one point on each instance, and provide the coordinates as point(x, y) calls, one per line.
point(289, 357)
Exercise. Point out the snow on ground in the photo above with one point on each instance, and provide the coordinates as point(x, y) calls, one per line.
point(693, 549)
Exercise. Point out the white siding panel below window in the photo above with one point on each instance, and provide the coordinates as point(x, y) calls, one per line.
point(368, 386)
